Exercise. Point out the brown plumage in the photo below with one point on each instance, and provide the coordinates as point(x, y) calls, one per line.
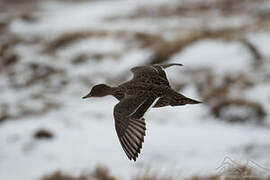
point(136, 96)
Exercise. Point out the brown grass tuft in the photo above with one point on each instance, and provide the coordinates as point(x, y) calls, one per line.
point(102, 173)
point(227, 110)
point(60, 176)
point(67, 38)
point(151, 177)
point(4, 114)
point(257, 56)
point(43, 134)
point(213, 177)
point(163, 49)
point(225, 7)
point(34, 73)
point(99, 173)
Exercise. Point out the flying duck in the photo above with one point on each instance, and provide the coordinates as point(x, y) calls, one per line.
point(148, 88)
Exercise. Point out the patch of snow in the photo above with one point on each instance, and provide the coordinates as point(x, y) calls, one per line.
point(219, 55)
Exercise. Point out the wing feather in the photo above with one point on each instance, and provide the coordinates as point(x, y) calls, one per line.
point(130, 130)
point(153, 74)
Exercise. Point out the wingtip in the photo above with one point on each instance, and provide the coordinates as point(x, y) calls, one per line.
point(177, 64)
point(171, 64)
point(132, 158)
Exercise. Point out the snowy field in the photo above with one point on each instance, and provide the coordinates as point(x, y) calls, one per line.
point(53, 52)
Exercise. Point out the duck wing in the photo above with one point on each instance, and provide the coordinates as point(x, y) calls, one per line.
point(147, 74)
point(130, 124)
point(160, 68)
point(153, 74)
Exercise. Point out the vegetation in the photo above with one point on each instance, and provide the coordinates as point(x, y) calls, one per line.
point(240, 172)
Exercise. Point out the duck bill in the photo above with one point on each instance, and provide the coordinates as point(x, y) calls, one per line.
point(87, 96)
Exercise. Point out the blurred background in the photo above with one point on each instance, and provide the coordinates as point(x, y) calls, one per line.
point(53, 51)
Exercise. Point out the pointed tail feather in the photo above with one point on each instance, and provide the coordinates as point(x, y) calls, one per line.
point(183, 101)
point(174, 98)
point(191, 101)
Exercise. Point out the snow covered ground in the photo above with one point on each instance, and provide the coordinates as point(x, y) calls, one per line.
point(74, 45)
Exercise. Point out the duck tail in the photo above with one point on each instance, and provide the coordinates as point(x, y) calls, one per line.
point(190, 101)
point(174, 98)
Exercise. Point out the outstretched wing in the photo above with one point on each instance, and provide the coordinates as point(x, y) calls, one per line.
point(145, 74)
point(160, 68)
point(130, 124)
point(153, 74)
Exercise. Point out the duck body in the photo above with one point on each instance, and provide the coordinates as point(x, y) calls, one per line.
point(148, 88)
point(153, 79)
point(139, 89)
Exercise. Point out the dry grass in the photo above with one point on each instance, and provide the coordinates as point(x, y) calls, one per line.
point(225, 7)
point(34, 73)
point(84, 57)
point(164, 49)
point(234, 171)
point(213, 87)
point(100, 173)
point(214, 177)
point(7, 55)
point(239, 172)
point(26, 111)
point(257, 56)
point(243, 81)
point(151, 178)
point(3, 25)
point(224, 95)
point(43, 134)
point(67, 39)
point(226, 110)
point(60, 176)
point(4, 114)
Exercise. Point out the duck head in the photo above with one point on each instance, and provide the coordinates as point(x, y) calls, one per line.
point(99, 90)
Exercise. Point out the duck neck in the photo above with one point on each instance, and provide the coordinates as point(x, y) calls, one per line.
point(108, 90)
point(117, 93)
